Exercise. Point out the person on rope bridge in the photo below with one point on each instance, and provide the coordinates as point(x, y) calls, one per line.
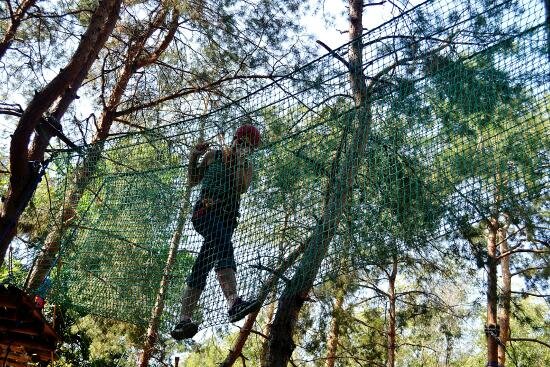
point(225, 175)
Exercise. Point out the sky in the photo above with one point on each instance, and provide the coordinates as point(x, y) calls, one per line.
point(330, 22)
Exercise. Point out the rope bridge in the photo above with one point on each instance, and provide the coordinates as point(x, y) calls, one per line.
point(460, 120)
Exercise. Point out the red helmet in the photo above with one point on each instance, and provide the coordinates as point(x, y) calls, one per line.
point(249, 132)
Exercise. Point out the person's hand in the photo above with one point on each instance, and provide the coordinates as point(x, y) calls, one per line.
point(199, 149)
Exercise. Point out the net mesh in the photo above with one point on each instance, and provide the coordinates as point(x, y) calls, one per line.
point(459, 106)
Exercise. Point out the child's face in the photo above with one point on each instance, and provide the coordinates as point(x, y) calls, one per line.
point(242, 147)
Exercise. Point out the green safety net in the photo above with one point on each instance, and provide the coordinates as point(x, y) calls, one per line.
point(457, 126)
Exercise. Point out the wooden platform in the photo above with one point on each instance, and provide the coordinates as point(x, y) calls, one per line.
point(25, 336)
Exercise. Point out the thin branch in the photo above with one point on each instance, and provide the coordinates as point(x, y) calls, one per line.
point(363, 323)
point(522, 250)
point(259, 333)
point(42, 15)
point(275, 272)
point(374, 4)
point(186, 91)
point(128, 123)
point(530, 294)
point(11, 109)
point(527, 269)
point(530, 340)
point(245, 331)
point(335, 54)
point(418, 345)
point(376, 289)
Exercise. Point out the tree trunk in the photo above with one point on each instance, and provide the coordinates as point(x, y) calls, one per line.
point(67, 214)
point(448, 349)
point(392, 315)
point(238, 346)
point(267, 331)
point(492, 297)
point(22, 178)
point(16, 19)
point(158, 308)
point(156, 313)
point(281, 344)
point(83, 173)
point(297, 289)
point(334, 333)
point(505, 294)
point(357, 79)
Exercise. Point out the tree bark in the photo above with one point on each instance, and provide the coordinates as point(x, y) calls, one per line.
point(267, 331)
point(16, 19)
point(238, 346)
point(357, 79)
point(391, 334)
point(505, 294)
point(334, 333)
point(492, 297)
point(83, 173)
point(281, 344)
point(156, 313)
point(22, 178)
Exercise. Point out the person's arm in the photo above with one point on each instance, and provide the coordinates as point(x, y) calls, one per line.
point(195, 171)
point(245, 178)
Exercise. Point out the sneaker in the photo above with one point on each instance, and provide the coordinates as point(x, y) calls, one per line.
point(242, 308)
point(185, 329)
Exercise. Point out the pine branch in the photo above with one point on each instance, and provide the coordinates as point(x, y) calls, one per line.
point(530, 340)
point(527, 269)
point(535, 251)
point(531, 294)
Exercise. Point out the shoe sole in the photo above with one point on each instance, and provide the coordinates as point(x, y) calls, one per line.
point(253, 307)
point(186, 333)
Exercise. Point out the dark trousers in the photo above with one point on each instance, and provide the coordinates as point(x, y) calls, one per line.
point(217, 248)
